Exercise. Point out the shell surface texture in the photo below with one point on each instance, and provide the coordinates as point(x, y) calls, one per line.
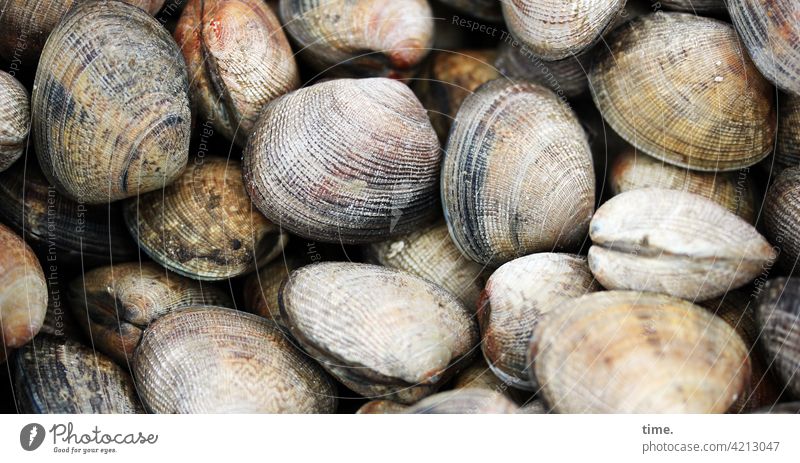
point(782, 215)
point(566, 77)
point(15, 119)
point(263, 286)
point(463, 402)
point(787, 151)
point(778, 316)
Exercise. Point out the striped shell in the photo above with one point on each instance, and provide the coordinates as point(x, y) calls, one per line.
point(487, 10)
point(111, 110)
point(380, 331)
point(787, 151)
point(778, 316)
point(515, 151)
point(262, 287)
point(15, 119)
point(347, 160)
point(215, 360)
point(203, 226)
point(782, 217)
point(631, 352)
point(565, 77)
point(464, 401)
point(673, 242)
point(680, 88)
point(694, 6)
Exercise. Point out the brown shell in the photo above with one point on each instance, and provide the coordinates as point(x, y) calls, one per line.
point(214, 360)
point(15, 118)
point(782, 217)
point(239, 60)
point(695, 6)
point(380, 331)
point(381, 407)
point(680, 88)
point(674, 242)
point(787, 151)
point(111, 112)
point(464, 401)
point(347, 160)
point(566, 77)
point(203, 226)
point(631, 352)
point(516, 180)
point(488, 10)
point(778, 316)
point(262, 287)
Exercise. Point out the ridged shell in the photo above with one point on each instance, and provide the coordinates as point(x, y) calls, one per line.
point(203, 226)
point(556, 29)
point(347, 160)
point(239, 60)
point(631, 352)
point(215, 360)
point(734, 191)
point(517, 296)
point(360, 37)
point(15, 119)
point(694, 6)
point(380, 331)
point(673, 242)
point(55, 375)
point(778, 316)
point(381, 407)
point(782, 217)
point(787, 151)
point(262, 287)
point(488, 10)
point(464, 401)
point(680, 88)
point(517, 175)
point(110, 111)
point(566, 77)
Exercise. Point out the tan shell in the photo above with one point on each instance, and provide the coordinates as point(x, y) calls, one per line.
point(534, 407)
point(695, 6)
point(631, 352)
point(203, 226)
point(380, 331)
point(360, 38)
point(556, 29)
point(464, 401)
point(479, 376)
point(787, 151)
point(792, 408)
point(15, 119)
point(673, 242)
point(734, 191)
point(111, 112)
point(517, 175)
point(517, 296)
point(347, 160)
point(680, 88)
point(430, 254)
point(778, 316)
point(488, 10)
point(215, 360)
point(381, 407)
point(239, 60)
point(782, 217)
point(567, 78)
point(262, 287)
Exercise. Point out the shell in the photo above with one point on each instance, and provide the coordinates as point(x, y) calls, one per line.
point(15, 119)
point(566, 77)
point(360, 38)
point(215, 360)
point(680, 88)
point(262, 287)
point(514, 152)
point(115, 304)
point(778, 316)
point(239, 60)
point(695, 6)
point(203, 226)
point(379, 331)
point(787, 151)
point(734, 191)
point(534, 407)
point(480, 376)
point(430, 254)
point(556, 29)
point(781, 217)
point(517, 296)
point(345, 161)
point(58, 375)
point(487, 10)
point(631, 352)
point(770, 29)
point(111, 111)
point(464, 401)
point(783, 408)
point(673, 242)
point(381, 407)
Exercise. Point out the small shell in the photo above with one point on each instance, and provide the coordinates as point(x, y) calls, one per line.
point(673, 242)
point(203, 226)
point(262, 287)
point(566, 77)
point(695, 6)
point(15, 119)
point(680, 88)
point(55, 375)
point(487, 10)
point(782, 217)
point(215, 360)
point(464, 401)
point(787, 151)
point(239, 60)
point(360, 38)
point(345, 161)
point(517, 175)
point(778, 316)
point(380, 331)
point(110, 111)
point(381, 407)
point(631, 352)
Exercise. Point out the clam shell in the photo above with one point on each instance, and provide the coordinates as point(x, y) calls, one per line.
point(347, 160)
point(215, 360)
point(673, 242)
point(631, 352)
point(380, 331)
point(15, 119)
point(680, 88)
point(479, 376)
point(782, 215)
point(487, 10)
point(694, 6)
point(565, 77)
point(381, 407)
point(778, 316)
point(262, 287)
point(464, 401)
point(534, 407)
point(111, 111)
point(203, 226)
point(515, 151)
point(787, 150)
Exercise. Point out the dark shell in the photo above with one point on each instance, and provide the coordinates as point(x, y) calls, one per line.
point(566, 77)
point(788, 408)
point(262, 287)
point(695, 6)
point(787, 151)
point(488, 10)
point(782, 217)
point(778, 316)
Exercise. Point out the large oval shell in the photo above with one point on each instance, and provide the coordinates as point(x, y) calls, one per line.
point(203, 226)
point(782, 217)
point(262, 287)
point(15, 119)
point(673, 242)
point(347, 160)
point(787, 149)
point(631, 352)
point(215, 360)
point(110, 111)
point(778, 316)
point(517, 175)
point(680, 88)
point(565, 77)
point(464, 401)
point(378, 330)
